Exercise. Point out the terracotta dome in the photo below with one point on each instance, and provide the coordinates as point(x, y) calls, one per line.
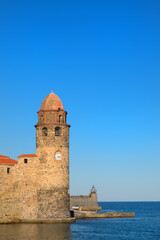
point(51, 102)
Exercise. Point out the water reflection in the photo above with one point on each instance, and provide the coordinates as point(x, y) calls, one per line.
point(35, 231)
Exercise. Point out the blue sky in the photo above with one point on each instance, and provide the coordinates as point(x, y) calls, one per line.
point(102, 59)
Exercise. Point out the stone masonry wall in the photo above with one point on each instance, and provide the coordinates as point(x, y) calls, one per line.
point(38, 189)
point(89, 201)
point(18, 191)
point(27, 174)
point(9, 195)
point(53, 188)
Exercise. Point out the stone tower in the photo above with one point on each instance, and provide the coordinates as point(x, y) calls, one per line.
point(52, 149)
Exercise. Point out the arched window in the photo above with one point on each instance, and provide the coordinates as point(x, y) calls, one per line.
point(44, 131)
point(60, 118)
point(57, 131)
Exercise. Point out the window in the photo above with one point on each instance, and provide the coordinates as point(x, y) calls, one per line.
point(25, 160)
point(41, 118)
point(44, 131)
point(57, 131)
point(60, 118)
point(8, 170)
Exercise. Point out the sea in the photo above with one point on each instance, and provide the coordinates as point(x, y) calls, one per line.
point(144, 226)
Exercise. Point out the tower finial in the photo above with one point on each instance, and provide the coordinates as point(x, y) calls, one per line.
point(93, 190)
point(52, 91)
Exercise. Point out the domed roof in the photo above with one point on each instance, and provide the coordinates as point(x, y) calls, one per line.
point(51, 102)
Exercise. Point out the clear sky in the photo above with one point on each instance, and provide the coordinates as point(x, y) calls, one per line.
point(102, 58)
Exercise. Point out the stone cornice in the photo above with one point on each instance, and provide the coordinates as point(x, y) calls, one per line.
point(52, 124)
point(60, 110)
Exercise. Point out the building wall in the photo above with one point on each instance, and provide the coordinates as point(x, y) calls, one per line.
point(27, 174)
point(88, 202)
point(39, 189)
point(9, 196)
point(18, 191)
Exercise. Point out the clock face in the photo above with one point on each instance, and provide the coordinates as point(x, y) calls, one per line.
point(58, 156)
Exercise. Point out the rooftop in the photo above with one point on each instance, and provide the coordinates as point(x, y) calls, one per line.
point(51, 102)
point(7, 160)
point(27, 155)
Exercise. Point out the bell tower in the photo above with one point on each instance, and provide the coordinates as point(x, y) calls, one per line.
point(52, 149)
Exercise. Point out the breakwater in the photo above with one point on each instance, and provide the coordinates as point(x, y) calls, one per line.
point(91, 214)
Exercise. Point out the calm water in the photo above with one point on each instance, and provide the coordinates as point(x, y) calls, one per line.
point(145, 226)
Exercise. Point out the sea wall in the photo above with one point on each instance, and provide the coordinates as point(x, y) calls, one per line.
point(92, 214)
point(87, 203)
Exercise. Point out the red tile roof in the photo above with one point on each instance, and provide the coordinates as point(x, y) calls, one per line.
point(3, 156)
point(7, 160)
point(27, 155)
